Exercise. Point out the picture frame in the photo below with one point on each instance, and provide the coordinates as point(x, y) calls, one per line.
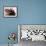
point(10, 11)
point(38, 30)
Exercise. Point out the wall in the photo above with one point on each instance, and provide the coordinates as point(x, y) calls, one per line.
point(29, 12)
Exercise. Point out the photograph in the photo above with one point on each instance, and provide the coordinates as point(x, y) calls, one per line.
point(10, 11)
point(32, 32)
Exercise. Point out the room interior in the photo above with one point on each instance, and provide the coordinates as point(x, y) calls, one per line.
point(29, 12)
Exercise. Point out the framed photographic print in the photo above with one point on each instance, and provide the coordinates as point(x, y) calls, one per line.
point(10, 11)
point(31, 32)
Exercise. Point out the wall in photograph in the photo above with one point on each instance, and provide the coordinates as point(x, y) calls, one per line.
point(29, 12)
